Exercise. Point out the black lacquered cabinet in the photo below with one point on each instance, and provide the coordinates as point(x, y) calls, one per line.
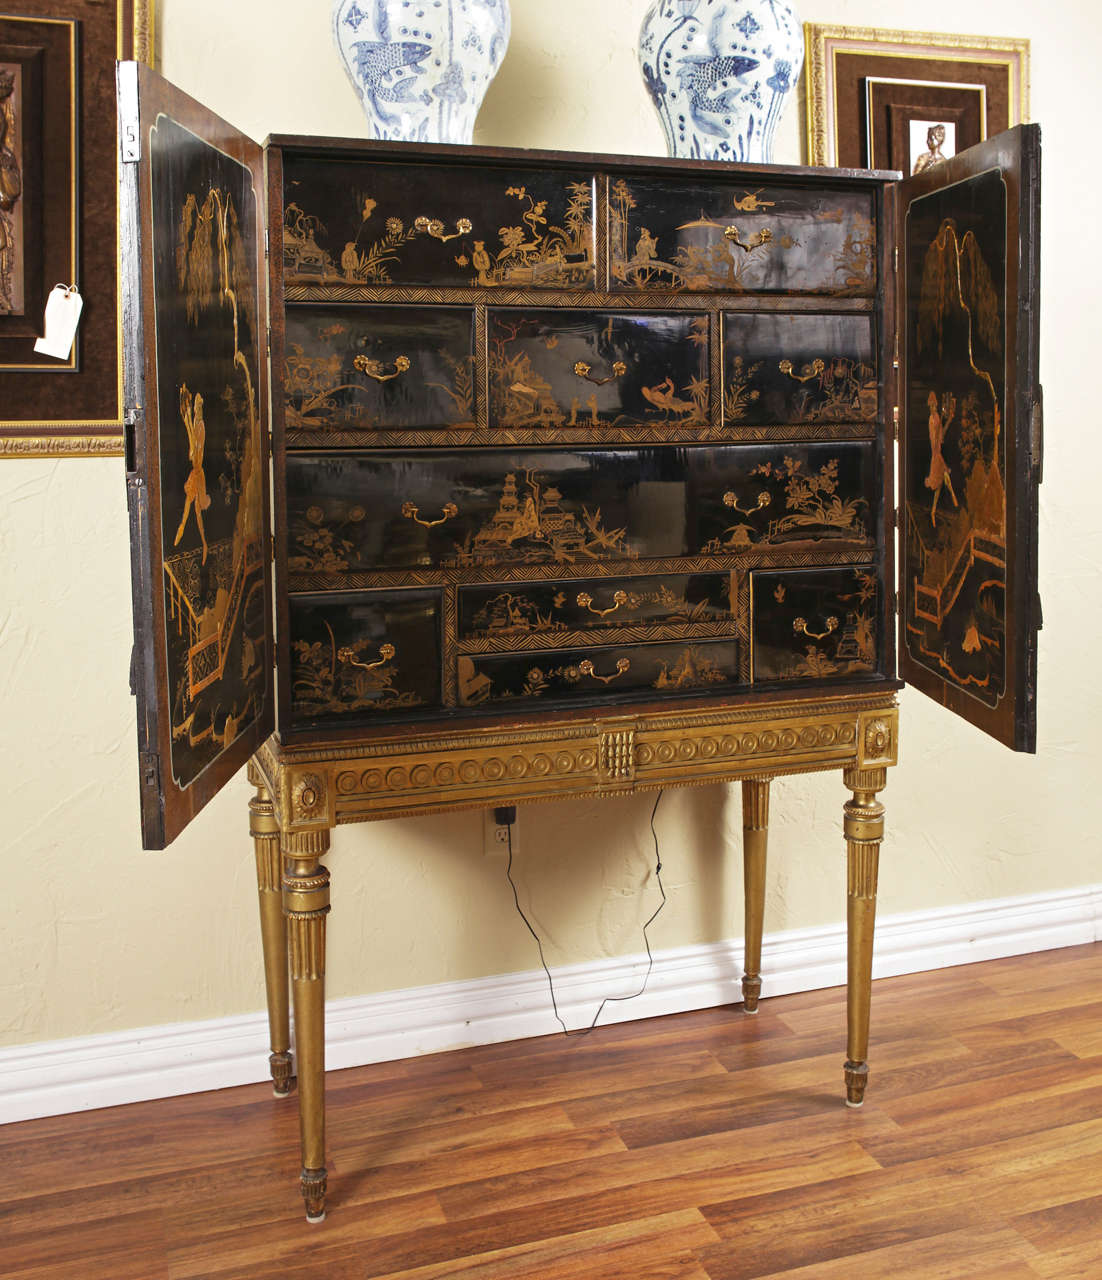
point(460, 476)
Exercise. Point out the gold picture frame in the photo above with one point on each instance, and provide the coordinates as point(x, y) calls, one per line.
point(124, 29)
point(931, 68)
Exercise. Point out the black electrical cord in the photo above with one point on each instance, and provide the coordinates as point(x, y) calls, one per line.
point(584, 1031)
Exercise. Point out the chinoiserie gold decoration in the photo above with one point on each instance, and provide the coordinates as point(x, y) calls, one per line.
point(410, 509)
point(377, 370)
point(585, 601)
point(799, 626)
point(585, 371)
point(808, 371)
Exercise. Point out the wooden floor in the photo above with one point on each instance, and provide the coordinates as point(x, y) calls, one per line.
point(707, 1145)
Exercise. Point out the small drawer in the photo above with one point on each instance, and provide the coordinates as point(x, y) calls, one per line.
point(540, 614)
point(597, 369)
point(367, 368)
point(364, 658)
point(724, 237)
point(814, 624)
point(370, 222)
point(598, 674)
point(798, 369)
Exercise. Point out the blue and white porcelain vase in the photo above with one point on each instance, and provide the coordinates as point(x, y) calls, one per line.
point(720, 72)
point(421, 67)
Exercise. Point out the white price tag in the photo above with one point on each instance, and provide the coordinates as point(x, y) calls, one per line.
point(63, 308)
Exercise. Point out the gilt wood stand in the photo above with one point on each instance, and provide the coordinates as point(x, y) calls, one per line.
point(303, 792)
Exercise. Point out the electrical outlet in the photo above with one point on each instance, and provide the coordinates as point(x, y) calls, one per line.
point(495, 836)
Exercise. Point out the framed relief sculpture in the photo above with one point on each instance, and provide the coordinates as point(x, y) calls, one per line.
point(56, 122)
point(908, 99)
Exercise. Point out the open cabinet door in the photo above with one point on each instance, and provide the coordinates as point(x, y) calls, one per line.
point(195, 315)
point(970, 434)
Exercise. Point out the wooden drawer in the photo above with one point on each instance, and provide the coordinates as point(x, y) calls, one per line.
point(437, 509)
point(599, 674)
point(597, 368)
point(541, 614)
point(794, 369)
point(364, 658)
point(367, 222)
point(376, 367)
point(814, 624)
point(729, 237)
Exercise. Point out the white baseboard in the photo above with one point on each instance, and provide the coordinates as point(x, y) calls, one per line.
point(159, 1062)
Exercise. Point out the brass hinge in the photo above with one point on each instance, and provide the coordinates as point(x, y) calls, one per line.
point(265, 244)
point(149, 767)
point(895, 354)
point(897, 259)
point(895, 422)
point(130, 134)
point(269, 340)
point(1037, 436)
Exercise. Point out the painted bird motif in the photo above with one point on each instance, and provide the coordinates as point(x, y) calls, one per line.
point(376, 60)
point(700, 76)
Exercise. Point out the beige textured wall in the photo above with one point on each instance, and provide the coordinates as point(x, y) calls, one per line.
point(98, 936)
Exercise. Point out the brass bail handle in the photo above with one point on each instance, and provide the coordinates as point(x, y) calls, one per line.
point(730, 499)
point(799, 626)
point(585, 601)
point(808, 372)
point(410, 511)
point(585, 371)
point(587, 669)
point(756, 241)
point(376, 369)
point(386, 652)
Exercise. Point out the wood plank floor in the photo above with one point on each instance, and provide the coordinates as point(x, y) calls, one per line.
point(706, 1146)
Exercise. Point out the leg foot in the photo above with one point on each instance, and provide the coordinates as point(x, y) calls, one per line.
point(314, 1187)
point(755, 836)
point(863, 820)
point(283, 1074)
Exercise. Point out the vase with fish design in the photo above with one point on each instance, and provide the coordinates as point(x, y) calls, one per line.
point(421, 67)
point(720, 73)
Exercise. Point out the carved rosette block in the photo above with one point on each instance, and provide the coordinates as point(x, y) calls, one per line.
point(755, 836)
point(863, 823)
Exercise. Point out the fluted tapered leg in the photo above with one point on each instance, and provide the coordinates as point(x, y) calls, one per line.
point(273, 932)
point(305, 905)
point(864, 830)
point(755, 837)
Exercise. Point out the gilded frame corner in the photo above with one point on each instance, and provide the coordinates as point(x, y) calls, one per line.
point(823, 42)
point(135, 37)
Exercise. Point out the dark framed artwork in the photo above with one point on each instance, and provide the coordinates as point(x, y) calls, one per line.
point(908, 99)
point(58, 219)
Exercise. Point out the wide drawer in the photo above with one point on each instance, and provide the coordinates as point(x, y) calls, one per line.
point(436, 509)
point(599, 674)
point(366, 657)
point(528, 615)
point(722, 236)
point(597, 368)
point(791, 369)
point(369, 222)
point(814, 624)
point(378, 367)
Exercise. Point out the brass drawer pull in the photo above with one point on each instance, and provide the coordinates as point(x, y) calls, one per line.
point(435, 228)
point(731, 500)
point(764, 236)
point(376, 369)
point(586, 669)
point(808, 372)
point(386, 652)
point(409, 510)
point(585, 371)
point(799, 625)
point(586, 602)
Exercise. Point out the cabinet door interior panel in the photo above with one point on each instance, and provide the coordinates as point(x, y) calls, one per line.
point(541, 614)
point(367, 368)
point(733, 236)
point(599, 674)
point(799, 369)
point(362, 222)
point(369, 657)
point(598, 368)
point(815, 624)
